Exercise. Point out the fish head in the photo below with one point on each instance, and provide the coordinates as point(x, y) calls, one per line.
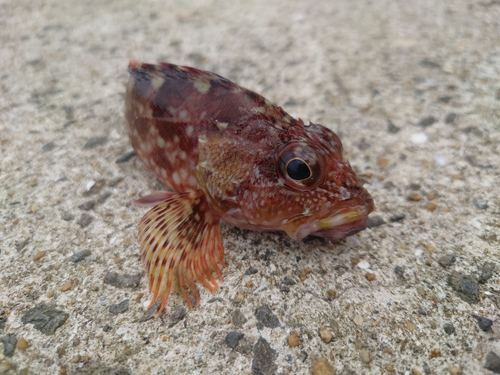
point(260, 177)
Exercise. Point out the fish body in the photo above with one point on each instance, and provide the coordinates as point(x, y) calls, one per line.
point(228, 153)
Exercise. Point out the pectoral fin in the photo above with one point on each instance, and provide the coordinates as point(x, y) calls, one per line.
point(180, 244)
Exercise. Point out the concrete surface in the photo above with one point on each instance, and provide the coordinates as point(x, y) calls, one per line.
point(395, 299)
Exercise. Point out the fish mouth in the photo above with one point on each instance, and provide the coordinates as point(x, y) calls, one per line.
point(342, 223)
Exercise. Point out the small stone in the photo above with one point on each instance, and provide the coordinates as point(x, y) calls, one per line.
point(122, 280)
point(39, 255)
point(67, 286)
point(427, 121)
point(45, 318)
point(266, 318)
point(293, 340)
point(410, 326)
point(85, 220)
point(125, 157)
point(302, 356)
point(364, 355)
point(119, 308)
point(431, 206)
point(414, 196)
point(447, 260)
point(94, 142)
point(415, 371)
point(5, 366)
point(486, 272)
point(480, 203)
point(49, 146)
point(370, 276)
point(454, 370)
point(449, 328)
point(375, 221)
point(67, 216)
point(358, 320)
point(9, 344)
point(450, 118)
point(483, 323)
point(251, 271)
point(50, 293)
point(325, 335)
point(435, 353)
point(22, 344)
point(264, 357)
point(492, 362)
point(87, 206)
point(178, 315)
point(289, 281)
point(465, 286)
point(81, 255)
point(391, 128)
point(238, 318)
point(322, 367)
point(397, 217)
point(232, 339)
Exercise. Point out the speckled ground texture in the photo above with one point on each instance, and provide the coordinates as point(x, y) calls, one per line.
point(412, 88)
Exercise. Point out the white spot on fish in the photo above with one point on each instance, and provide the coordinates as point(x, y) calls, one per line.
point(156, 82)
point(183, 114)
point(160, 141)
point(193, 181)
point(202, 86)
point(189, 130)
point(176, 178)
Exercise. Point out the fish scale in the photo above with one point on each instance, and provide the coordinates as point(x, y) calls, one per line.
point(227, 152)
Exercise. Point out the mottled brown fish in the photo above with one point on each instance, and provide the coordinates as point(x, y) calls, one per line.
point(228, 153)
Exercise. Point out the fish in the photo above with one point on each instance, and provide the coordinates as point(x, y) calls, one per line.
point(226, 153)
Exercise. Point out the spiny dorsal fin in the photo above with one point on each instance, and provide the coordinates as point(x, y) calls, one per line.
point(181, 243)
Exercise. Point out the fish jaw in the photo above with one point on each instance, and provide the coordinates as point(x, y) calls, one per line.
point(351, 218)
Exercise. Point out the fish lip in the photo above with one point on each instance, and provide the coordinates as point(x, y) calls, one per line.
point(340, 224)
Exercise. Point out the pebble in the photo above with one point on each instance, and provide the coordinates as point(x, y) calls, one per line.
point(418, 138)
point(447, 260)
point(45, 318)
point(251, 271)
point(119, 308)
point(415, 371)
point(365, 356)
point(391, 128)
point(480, 203)
point(325, 335)
point(87, 206)
point(322, 367)
point(49, 146)
point(465, 286)
point(85, 220)
point(22, 344)
point(427, 121)
point(232, 339)
point(238, 318)
point(39, 255)
point(94, 142)
point(264, 356)
point(486, 272)
point(67, 286)
point(431, 206)
point(293, 340)
point(5, 366)
point(449, 328)
point(370, 276)
point(375, 221)
point(358, 320)
point(454, 370)
point(266, 318)
point(125, 157)
point(9, 342)
point(397, 217)
point(302, 356)
point(435, 353)
point(78, 257)
point(289, 281)
point(483, 323)
point(492, 362)
point(414, 196)
point(122, 280)
point(178, 315)
point(450, 118)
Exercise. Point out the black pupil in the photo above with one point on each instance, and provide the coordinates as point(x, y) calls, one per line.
point(298, 170)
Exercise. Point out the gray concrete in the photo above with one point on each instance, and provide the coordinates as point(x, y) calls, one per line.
point(354, 66)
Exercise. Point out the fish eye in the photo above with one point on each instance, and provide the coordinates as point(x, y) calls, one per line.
point(299, 166)
point(298, 169)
